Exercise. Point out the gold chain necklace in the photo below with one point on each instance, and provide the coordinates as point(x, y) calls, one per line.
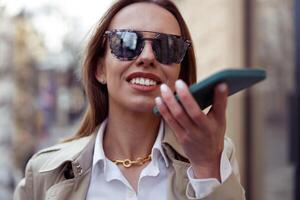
point(128, 163)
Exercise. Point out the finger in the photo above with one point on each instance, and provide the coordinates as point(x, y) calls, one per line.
point(189, 103)
point(220, 101)
point(170, 120)
point(175, 108)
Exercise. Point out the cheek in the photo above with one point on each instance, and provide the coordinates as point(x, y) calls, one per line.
point(115, 69)
point(178, 67)
point(172, 75)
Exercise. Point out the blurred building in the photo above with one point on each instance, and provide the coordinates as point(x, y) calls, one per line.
point(6, 85)
point(40, 95)
point(272, 44)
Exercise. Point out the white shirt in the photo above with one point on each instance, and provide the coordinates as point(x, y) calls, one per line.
point(108, 182)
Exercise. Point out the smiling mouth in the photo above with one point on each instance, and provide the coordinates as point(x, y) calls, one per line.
point(144, 81)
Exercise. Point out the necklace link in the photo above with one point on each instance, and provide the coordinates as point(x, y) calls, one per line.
point(128, 163)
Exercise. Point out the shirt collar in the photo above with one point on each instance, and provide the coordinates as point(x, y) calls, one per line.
point(156, 152)
point(99, 155)
point(157, 149)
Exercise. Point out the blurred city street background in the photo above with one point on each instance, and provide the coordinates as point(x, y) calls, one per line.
point(41, 99)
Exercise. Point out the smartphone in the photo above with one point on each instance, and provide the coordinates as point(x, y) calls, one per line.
point(236, 80)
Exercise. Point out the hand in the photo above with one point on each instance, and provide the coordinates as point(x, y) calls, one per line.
point(201, 135)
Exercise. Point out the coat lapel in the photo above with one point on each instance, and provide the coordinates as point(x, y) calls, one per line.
point(169, 139)
point(73, 189)
point(77, 187)
point(177, 180)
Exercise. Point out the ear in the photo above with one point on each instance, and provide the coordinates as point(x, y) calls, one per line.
point(101, 72)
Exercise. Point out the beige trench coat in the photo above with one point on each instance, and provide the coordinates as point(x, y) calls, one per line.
point(63, 172)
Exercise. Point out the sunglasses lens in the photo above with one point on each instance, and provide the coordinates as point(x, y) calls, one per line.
point(169, 49)
point(125, 44)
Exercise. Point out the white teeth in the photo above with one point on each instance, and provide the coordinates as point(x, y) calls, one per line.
point(143, 81)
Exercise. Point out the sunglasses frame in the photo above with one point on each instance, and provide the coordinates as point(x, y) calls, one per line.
point(109, 33)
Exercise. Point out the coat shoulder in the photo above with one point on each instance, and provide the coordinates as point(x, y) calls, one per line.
point(51, 157)
point(46, 168)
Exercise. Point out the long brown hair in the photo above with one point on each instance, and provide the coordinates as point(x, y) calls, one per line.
point(96, 92)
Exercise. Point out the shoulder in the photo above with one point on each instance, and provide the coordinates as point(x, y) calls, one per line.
point(50, 158)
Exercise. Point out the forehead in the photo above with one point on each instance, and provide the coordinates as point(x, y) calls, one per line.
point(146, 17)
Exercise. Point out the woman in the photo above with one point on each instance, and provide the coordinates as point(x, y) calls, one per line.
point(139, 55)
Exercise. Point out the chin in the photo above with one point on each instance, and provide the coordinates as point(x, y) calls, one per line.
point(143, 107)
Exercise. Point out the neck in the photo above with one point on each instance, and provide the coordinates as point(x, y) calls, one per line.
point(130, 135)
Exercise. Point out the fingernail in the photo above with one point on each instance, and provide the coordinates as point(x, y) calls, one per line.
point(179, 84)
point(222, 87)
point(158, 101)
point(164, 88)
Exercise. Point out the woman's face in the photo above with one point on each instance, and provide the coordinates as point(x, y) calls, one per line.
point(122, 76)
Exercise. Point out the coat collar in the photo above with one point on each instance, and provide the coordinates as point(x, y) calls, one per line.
point(81, 151)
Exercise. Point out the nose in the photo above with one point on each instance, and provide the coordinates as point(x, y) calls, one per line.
point(147, 57)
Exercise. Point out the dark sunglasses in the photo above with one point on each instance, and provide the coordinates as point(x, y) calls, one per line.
point(128, 44)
